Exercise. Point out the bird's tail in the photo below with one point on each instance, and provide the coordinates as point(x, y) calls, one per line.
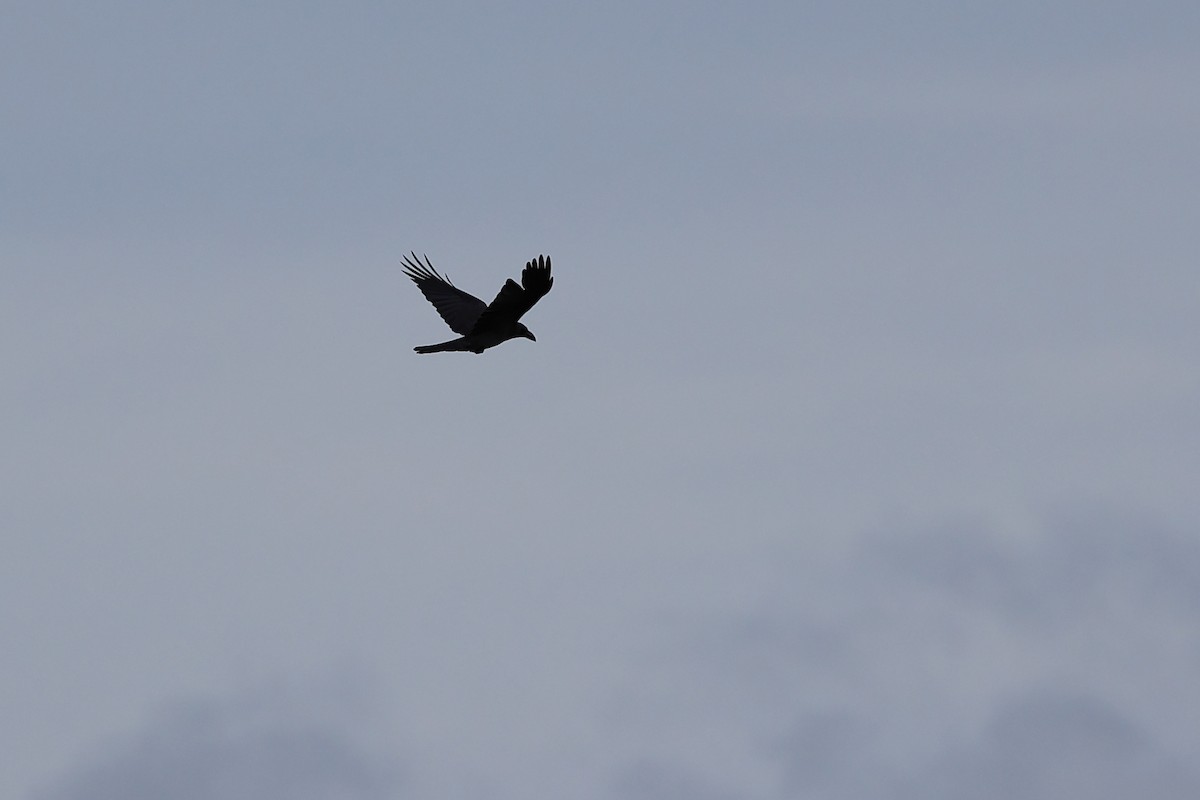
point(444, 347)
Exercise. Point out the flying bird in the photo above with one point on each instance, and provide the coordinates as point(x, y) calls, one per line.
point(479, 324)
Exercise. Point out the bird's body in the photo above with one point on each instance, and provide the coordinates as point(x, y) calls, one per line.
point(480, 325)
point(478, 342)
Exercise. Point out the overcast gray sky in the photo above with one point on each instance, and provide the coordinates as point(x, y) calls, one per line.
point(856, 457)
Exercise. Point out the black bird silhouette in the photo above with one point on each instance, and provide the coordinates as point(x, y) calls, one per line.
point(479, 325)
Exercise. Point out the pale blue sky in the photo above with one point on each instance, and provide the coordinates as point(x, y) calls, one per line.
point(856, 457)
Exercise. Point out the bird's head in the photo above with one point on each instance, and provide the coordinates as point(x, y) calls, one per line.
point(525, 333)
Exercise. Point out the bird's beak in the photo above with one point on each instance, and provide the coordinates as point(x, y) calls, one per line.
point(532, 337)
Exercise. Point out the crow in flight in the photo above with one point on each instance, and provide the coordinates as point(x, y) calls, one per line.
point(479, 325)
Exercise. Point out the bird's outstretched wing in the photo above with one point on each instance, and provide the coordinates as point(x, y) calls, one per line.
point(513, 300)
point(460, 310)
